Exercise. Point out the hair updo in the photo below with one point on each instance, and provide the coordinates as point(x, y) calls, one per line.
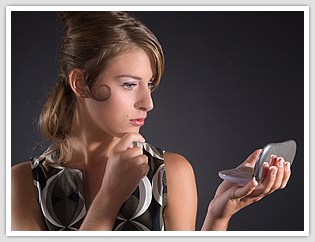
point(91, 41)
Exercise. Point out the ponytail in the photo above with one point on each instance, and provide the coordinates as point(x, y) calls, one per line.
point(56, 120)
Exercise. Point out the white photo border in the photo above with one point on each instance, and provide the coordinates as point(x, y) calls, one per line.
point(305, 9)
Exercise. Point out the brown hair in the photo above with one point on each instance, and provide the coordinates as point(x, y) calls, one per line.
point(91, 41)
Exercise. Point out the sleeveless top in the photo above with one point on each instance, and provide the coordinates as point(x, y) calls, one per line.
point(60, 194)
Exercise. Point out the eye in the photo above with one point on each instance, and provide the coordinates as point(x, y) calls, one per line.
point(129, 85)
point(151, 86)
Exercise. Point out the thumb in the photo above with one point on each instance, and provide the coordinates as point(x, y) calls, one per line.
point(251, 159)
point(245, 190)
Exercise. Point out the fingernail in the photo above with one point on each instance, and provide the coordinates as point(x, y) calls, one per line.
point(287, 166)
point(274, 172)
point(281, 161)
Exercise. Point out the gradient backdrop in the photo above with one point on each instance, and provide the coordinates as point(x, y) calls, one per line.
point(234, 81)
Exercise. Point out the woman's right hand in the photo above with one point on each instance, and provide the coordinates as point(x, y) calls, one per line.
point(125, 167)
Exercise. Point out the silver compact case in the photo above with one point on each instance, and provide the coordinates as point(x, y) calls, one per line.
point(242, 174)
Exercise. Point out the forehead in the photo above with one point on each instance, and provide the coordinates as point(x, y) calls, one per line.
point(135, 62)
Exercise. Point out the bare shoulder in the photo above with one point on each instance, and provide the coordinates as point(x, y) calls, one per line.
point(21, 166)
point(21, 180)
point(181, 186)
point(178, 168)
point(177, 163)
point(21, 173)
point(25, 211)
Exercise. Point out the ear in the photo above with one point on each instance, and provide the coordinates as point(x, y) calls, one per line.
point(77, 83)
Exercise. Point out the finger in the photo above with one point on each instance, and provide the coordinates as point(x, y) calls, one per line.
point(130, 153)
point(140, 160)
point(127, 141)
point(251, 159)
point(144, 169)
point(265, 169)
point(279, 178)
point(267, 184)
point(141, 164)
point(245, 190)
point(286, 174)
point(137, 160)
point(273, 160)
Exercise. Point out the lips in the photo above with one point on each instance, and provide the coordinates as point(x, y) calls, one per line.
point(137, 122)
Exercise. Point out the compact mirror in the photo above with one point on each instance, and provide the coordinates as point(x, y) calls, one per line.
point(242, 175)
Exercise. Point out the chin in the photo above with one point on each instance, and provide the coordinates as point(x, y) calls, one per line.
point(121, 134)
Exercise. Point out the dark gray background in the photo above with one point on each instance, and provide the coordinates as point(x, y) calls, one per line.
point(233, 82)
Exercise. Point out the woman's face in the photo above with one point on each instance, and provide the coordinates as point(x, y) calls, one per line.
point(129, 78)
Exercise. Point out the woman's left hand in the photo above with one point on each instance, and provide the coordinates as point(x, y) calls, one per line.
point(231, 197)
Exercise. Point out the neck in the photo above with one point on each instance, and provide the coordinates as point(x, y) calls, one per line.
point(89, 150)
point(90, 145)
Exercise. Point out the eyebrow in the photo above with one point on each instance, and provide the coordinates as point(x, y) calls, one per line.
point(133, 77)
point(129, 76)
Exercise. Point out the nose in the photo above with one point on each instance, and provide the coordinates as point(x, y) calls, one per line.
point(144, 102)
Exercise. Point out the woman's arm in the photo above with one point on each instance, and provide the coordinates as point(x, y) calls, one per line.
point(230, 197)
point(25, 210)
point(181, 209)
point(125, 167)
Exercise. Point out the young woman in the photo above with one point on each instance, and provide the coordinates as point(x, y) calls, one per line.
point(100, 173)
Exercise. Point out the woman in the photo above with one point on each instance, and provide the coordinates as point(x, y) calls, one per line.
point(99, 173)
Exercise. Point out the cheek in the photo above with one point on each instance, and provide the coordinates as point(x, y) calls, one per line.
point(118, 106)
point(120, 101)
